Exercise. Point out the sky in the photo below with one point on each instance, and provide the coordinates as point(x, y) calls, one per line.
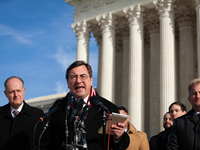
point(37, 44)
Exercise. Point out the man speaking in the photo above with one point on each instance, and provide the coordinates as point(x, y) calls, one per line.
point(79, 79)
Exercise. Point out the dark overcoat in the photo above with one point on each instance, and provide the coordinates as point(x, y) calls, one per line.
point(17, 133)
point(185, 133)
point(94, 120)
point(160, 141)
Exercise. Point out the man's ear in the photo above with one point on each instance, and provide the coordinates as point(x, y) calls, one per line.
point(67, 83)
point(189, 98)
point(5, 93)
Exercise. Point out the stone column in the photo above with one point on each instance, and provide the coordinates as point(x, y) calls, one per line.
point(198, 33)
point(185, 18)
point(167, 56)
point(106, 89)
point(125, 68)
point(135, 84)
point(83, 35)
point(154, 30)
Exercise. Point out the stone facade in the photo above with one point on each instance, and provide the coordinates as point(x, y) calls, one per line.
point(149, 50)
point(148, 53)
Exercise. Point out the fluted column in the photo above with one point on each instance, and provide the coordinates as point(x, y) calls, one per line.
point(135, 84)
point(83, 35)
point(198, 33)
point(118, 69)
point(167, 56)
point(185, 18)
point(125, 68)
point(107, 65)
point(154, 30)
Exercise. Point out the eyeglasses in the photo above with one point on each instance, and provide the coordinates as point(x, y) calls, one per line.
point(82, 77)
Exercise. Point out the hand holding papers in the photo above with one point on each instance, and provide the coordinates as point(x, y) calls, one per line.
point(114, 119)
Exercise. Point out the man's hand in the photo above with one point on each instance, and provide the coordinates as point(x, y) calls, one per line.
point(118, 130)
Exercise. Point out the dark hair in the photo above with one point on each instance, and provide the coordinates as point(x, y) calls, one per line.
point(165, 115)
point(183, 107)
point(5, 83)
point(77, 64)
point(123, 108)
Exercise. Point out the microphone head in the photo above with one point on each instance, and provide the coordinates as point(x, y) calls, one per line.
point(78, 105)
point(71, 95)
point(98, 104)
point(94, 100)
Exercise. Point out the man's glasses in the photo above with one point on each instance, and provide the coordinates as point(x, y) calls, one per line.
point(82, 77)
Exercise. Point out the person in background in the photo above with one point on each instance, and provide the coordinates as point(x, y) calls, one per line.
point(167, 121)
point(18, 119)
point(176, 110)
point(138, 139)
point(185, 133)
point(160, 141)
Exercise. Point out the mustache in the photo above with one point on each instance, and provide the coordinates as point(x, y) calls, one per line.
point(167, 123)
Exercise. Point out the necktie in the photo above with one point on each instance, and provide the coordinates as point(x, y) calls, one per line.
point(15, 112)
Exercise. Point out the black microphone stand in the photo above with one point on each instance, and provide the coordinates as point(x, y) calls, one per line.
point(104, 130)
point(66, 128)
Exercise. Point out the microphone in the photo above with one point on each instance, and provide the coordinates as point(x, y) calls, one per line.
point(58, 105)
point(77, 106)
point(83, 114)
point(71, 98)
point(99, 105)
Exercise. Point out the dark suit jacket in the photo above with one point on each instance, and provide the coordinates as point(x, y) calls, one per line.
point(160, 141)
point(17, 133)
point(185, 133)
point(55, 135)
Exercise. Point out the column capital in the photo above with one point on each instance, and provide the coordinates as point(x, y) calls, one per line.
point(152, 22)
point(106, 20)
point(134, 13)
point(165, 7)
point(98, 36)
point(185, 16)
point(81, 28)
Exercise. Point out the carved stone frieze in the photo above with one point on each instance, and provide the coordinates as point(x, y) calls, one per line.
point(85, 6)
point(97, 3)
point(110, 1)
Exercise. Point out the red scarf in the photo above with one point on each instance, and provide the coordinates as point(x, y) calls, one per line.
point(92, 93)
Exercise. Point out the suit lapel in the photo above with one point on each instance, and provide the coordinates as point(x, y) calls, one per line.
point(193, 116)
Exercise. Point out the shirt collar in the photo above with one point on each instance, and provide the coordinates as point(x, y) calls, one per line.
point(19, 109)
